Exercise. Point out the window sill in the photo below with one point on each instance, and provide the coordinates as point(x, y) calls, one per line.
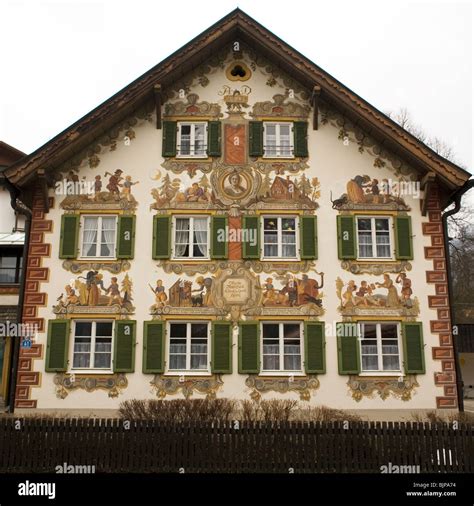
point(284, 374)
point(192, 157)
point(381, 373)
point(102, 259)
point(178, 374)
point(279, 259)
point(90, 371)
point(270, 158)
point(190, 260)
point(375, 259)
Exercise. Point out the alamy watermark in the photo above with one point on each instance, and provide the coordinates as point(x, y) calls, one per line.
point(237, 235)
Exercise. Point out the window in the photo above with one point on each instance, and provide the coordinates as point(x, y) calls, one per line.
point(192, 140)
point(191, 237)
point(189, 346)
point(10, 265)
point(278, 140)
point(374, 238)
point(98, 236)
point(92, 345)
point(279, 237)
point(380, 348)
point(281, 347)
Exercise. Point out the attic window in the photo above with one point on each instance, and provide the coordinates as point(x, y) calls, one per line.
point(238, 71)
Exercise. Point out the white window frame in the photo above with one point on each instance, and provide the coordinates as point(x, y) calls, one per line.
point(187, 372)
point(191, 236)
point(373, 232)
point(81, 239)
point(192, 139)
point(381, 372)
point(279, 217)
point(282, 372)
point(91, 370)
point(278, 139)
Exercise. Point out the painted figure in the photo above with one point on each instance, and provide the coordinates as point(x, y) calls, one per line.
point(392, 295)
point(406, 290)
point(127, 187)
point(235, 188)
point(115, 182)
point(113, 291)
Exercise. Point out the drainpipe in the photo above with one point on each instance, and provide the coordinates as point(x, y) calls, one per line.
point(456, 198)
point(21, 208)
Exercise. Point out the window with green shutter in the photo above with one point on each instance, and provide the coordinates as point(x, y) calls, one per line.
point(124, 346)
point(161, 236)
point(221, 361)
point(413, 347)
point(249, 347)
point(153, 347)
point(69, 236)
point(57, 345)
point(300, 133)
point(255, 138)
point(169, 132)
point(309, 237)
point(125, 236)
point(219, 246)
point(348, 353)
point(214, 138)
point(315, 348)
point(251, 239)
point(346, 237)
point(403, 238)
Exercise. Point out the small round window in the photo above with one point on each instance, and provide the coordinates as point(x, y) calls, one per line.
point(238, 71)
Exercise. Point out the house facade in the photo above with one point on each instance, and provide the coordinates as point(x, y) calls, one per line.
point(12, 237)
point(236, 223)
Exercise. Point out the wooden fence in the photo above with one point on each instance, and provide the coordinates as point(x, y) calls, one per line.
point(40, 445)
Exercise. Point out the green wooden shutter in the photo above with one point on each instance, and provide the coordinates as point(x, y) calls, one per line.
point(214, 138)
point(125, 236)
point(403, 238)
point(300, 135)
point(308, 237)
point(219, 247)
point(251, 231)
point(346, 236)
point(124, 346)
point(249, 347)
point(255, 138)
point(348, 355)
point(170, 131)
point(68, 237)
point(57, 346)
point(315, 347)
point(413, 347)
point(221, 361)
point(153, 347)
point(161, 236)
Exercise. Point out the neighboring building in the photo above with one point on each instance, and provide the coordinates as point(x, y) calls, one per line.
point(161, 265)
point(12, 237)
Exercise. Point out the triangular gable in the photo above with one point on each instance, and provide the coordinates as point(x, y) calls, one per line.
point(238, 26)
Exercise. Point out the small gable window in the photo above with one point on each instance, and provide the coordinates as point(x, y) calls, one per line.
point(192, 140)
point(278, 140)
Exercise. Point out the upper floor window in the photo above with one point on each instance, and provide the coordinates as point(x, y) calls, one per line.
point(278, 140)
point(192, 140)
point(99, 236)
point(92, 345)
point(374, 237)
point(189, 346)
point(380, 347)
point(281, 347)
point(191, 237)
point(10, 265)
point(279, 237)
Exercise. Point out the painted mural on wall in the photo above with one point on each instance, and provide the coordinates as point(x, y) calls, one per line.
point(177, 192)
point(387, 295)
point(365, 192)
point(292, 290)
point(94, 292)
point(110, 190)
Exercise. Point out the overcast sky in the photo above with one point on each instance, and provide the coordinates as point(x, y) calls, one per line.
point(62, 58)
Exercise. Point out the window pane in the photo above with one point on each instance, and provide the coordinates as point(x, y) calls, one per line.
point(178, 362)
point(89, 236)
point(178, 330)
point(181, 246)
point(381, 224)
point(83, 328)
point(199, 330)
point(103, 329)
point(199, 140)
point(184, 147)
point(270, 331)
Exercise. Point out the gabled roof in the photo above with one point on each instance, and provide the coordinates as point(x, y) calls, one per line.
point(9, 155)
point(238, 26)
